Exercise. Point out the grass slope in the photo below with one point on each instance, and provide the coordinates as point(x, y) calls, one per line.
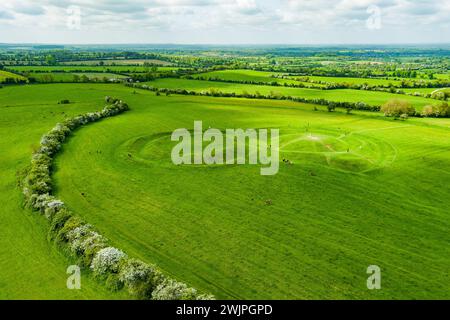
point(265, 76)
point(69, 77)
point(363, 190)
point(247, 75)
point(370, 97)
point(5, 74)
point(85, 68)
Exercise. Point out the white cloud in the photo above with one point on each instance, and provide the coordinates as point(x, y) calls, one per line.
point(271, 20)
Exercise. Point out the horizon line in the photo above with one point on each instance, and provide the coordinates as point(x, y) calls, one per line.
point(228, 44)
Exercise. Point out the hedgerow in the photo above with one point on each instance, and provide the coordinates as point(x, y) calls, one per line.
point(325, 85)
point(441, 110)
point(140, 278)
point(80, 239)
point(216, 93)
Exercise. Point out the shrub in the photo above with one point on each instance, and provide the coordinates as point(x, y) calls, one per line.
point(349, 109)
point(205, 297)
point(140, 278)
point(85, 242)
point(441, 110)
point(52, 208)
point(113, 282)
point(439, 95)
point(92, 245)
point(107, 260)
point(395, 108)
point(72, 223)
point(428, 111)
point(42, 201)
point(172, 290)
point(58, 221)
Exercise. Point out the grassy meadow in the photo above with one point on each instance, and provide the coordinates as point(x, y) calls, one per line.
point(360, 185)
point(87, 68)
point(248, 75)
point(349, 95)
point(264, 76)
point(115, 62)
point(30, 267)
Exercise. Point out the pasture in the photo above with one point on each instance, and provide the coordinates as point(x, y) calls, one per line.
point(50, 77)
point(357, 81)
point(359, 186)
point(348, 95)
point(265, 76)
point(88, 68)
point(248, 75)
point(427, 90)
point(115, 62)
point(357, 190)
point(32, 268)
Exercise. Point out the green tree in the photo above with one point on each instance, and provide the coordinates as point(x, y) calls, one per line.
point(395, 108)
point(50, 60)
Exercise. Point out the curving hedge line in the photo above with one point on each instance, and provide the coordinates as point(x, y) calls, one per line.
point(80, 239)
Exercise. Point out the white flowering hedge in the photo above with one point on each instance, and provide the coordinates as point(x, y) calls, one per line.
point(81, 239)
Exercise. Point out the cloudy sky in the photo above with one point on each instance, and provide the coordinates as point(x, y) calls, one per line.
point(225, 21)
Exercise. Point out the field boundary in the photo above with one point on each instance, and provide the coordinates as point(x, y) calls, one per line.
point(108, 264)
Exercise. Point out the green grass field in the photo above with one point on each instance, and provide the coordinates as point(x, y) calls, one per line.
point(264, 76)
point(370, 97)
point(5, 74)
point(362, 190)
point(248, 75)
point(426, 90)
point(87, 68)
point(69, 77)
point(370, 81)
point(31, 268)
point(119, 62)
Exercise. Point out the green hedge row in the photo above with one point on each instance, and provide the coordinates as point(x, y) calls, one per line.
point(323, 85)
point(108, 264)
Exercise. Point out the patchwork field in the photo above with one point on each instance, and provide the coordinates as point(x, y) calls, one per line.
point(48, 77)
point(248, 75)
point(261, 76)
point(119, 62)
point(359, 186)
